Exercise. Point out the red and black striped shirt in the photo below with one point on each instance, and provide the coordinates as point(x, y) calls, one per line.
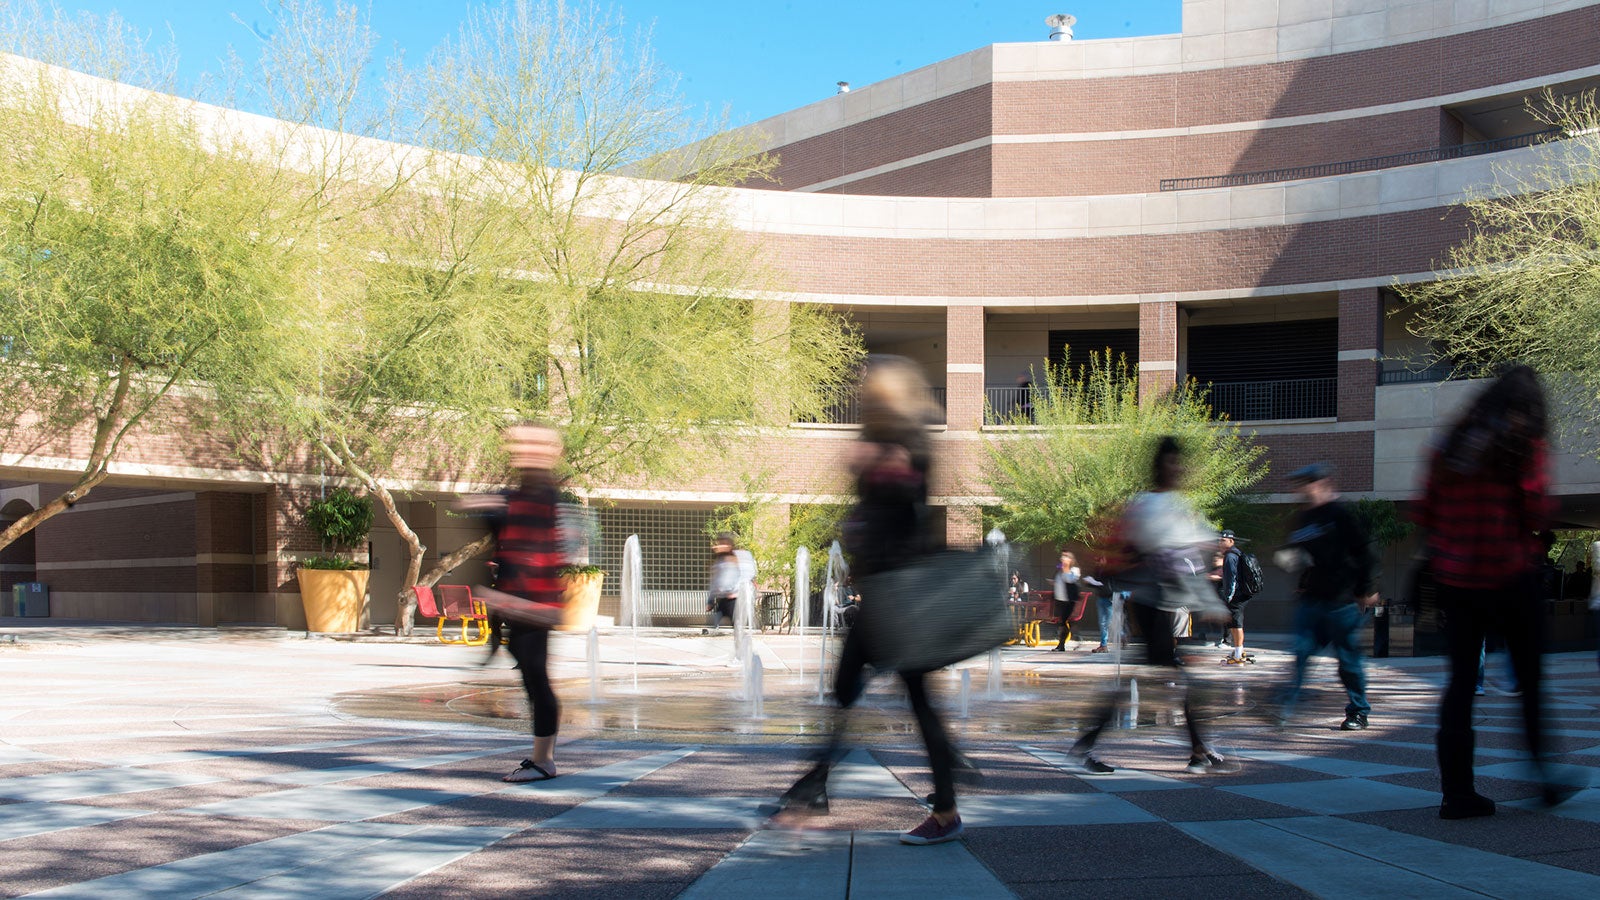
point(528, 545)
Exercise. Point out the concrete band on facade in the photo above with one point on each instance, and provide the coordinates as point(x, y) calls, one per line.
point(970, 277)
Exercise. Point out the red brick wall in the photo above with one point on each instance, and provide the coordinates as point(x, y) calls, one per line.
point(1360, 330)
point(960, 175)
point(964, 345)
point(1348, 81)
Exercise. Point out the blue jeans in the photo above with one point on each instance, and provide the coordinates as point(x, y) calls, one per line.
point(1105, 621)
point(1318, 625)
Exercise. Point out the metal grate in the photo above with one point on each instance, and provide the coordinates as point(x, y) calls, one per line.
point(1300, 398)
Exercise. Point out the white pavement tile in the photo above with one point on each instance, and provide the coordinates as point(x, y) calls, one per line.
point(634, 813)
point(1119, 782)
point(884, 869)
point(994, 810)
point(96, 783)
point(343, 861)
point(593, 783)
point(327, 803)
point(1339, 796)
point(10, 755)
point(1332, 873)
point(28, 819)
point(780, 865)
point(1584, 806)
point(1523, 770)
point(367, 770)
point(1327, 765)
point(858, 776)
point(1465, 867)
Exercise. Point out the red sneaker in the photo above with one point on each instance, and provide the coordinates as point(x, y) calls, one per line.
point(931, 832)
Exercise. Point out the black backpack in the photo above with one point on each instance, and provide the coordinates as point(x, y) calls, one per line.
point(1251, 578)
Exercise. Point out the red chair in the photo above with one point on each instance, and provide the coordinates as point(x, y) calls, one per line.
point(457, 603)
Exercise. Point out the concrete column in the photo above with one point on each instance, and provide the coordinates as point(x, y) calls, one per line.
point(1158, 347)
point(964, 398)
point(1360, 346)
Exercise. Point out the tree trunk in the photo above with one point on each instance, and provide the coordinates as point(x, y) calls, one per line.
point(408, 598)
point(27, 523)
point(414, 548)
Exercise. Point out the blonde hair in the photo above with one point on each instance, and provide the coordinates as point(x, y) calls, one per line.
point(895, 394)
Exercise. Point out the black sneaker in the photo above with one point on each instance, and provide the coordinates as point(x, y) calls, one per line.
point(1092, 766)
point(1469, 806)
point(1211, 764)
point(1354, 722)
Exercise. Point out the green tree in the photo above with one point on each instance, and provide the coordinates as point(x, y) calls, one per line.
point(1087, 450)
point(1524, 284)
point(142, 251)
point(516, 274)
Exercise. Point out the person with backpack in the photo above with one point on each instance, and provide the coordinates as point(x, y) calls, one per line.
point(1241, 580)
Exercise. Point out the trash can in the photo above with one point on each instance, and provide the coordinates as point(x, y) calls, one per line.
point(30, 599)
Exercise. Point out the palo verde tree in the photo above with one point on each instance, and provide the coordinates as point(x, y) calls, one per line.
point(1524, 285)
point(141, 249)
point(1088, 448)
point(512, 272)
point(645, 282)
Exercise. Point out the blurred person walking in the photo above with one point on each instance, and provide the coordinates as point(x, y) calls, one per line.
point(722, 591)
point(527, 597)
point(887, 530)
point(1164, 542)
point(1484, 505)
point(1329, 548)
point(1067, 595)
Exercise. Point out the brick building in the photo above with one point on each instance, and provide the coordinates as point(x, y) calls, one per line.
point(1232, 204)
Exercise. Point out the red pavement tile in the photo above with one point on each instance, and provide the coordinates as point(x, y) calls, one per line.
point(81, 854)
point(578, 863)
point(1253, 884)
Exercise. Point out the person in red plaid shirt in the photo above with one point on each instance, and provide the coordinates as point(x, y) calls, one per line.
point(527, 596)
point(1485, 503)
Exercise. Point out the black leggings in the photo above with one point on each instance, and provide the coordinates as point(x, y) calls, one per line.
point(1161, 650)
point(531, 647)
point(1516, 615)
point(848, 686)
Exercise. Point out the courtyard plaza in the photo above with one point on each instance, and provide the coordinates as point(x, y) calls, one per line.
point(188, 762)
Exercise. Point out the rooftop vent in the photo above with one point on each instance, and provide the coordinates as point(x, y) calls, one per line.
point(844, 87)
point(1061, 26)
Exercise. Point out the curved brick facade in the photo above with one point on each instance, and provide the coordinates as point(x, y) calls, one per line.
point(1026, 205)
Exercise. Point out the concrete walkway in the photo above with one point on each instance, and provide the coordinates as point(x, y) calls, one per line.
point(175, 762)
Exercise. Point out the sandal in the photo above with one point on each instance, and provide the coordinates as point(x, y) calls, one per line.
point(529, 771)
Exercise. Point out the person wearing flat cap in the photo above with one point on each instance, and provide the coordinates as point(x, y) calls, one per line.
point(1330, 549)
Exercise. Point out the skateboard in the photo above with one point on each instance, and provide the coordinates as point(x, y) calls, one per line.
point(1249, 659)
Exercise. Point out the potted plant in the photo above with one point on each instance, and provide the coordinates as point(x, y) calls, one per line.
point(581, 595)
point(333, 586)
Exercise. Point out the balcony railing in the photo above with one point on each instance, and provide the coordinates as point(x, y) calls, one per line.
point(844, 407)
point(1347, 167)
point(1396, 371)
point(1007, 405)
point(1253, 401)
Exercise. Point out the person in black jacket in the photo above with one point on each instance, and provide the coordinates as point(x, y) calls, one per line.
point(886, 530)
point(1330, 549)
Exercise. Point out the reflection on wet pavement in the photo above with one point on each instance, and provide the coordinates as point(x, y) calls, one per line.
point(708, 709)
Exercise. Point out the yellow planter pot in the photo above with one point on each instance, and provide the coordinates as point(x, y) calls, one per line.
point(582, 600)
point(334, 600)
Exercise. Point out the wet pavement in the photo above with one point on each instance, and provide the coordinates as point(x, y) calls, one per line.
point(191, 762)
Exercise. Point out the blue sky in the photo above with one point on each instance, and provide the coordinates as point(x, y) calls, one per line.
point(755, 58)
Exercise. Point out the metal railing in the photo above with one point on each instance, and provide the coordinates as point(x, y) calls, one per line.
point(1323, 170)
point(1253, 401)
point(844, 407)
point(1401, 372)
point(1006, 405)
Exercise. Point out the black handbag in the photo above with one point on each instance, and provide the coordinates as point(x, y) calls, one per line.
point(939, 610)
